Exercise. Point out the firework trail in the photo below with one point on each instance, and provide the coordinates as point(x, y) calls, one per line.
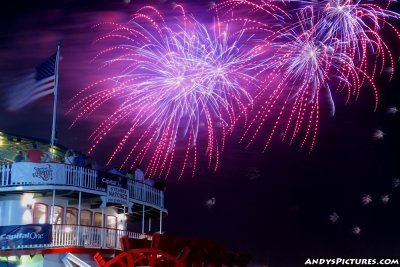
point(319, 48)
point(174, 82)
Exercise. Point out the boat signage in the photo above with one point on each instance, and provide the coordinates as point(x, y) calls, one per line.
point(117, 195)
point(28, 234)
point(37, 173)
point(105, 179)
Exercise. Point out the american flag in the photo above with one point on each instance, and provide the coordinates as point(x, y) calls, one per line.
point(37, 84)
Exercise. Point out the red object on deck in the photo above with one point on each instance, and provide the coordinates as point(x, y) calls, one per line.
point(166, 250)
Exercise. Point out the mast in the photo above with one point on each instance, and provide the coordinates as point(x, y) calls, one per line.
point(53, 128)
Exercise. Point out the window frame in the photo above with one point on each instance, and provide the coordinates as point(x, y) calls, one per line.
point(62, 214)
point(94, 219)
point(66, 213)
point(90, 217)
point(116, 221)
point(46, 212)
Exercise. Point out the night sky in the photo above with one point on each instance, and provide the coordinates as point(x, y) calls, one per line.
point(275, 205)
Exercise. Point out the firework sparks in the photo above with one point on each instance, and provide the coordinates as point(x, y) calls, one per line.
point(378, 134)
point(211, 202)
point(253, 173)
point(356, 230)
point(183, 86)
point(396, 183)
point(301, 70)
point(393, 110)
point(366, 199)
point(334, 217)
point(320, 48)
point(385, 199)
point(174, 83)
point(357, 24)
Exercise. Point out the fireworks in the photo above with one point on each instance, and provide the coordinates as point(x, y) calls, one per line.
point(210, 202)
point(385, 199)
point(175, 82)
point(366, 199)
point(392, 110)
point(253, 173)
point(356, 230)
point(334, 217)
point(396, 182)
point(301, 69)
point(319, 48)
point(378, 134)
point(357, 25)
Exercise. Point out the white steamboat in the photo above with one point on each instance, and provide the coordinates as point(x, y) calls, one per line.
point(57, 213)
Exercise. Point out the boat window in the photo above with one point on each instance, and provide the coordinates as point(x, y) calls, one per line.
point(97, 219)
point(58, 215)
point(72, 216)
point(86, 217)
point(111, 221)
point(40, 213)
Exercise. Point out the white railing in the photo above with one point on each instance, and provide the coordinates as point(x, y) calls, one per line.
point(81, 177)
point(83, 236)
point(145, 193)
point(90, 236)
point(5, 174)
point(87, 178)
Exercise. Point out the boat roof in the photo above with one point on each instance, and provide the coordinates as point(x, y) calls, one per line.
point(11, 143)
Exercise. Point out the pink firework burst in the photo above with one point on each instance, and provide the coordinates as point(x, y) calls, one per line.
point(174, 82)
point(319, 48)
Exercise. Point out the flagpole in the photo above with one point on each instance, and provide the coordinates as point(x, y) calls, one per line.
point(53, 128)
